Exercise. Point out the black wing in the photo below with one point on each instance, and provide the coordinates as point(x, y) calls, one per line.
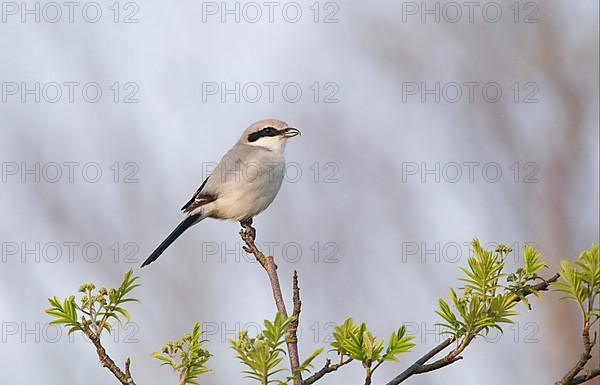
point(198, 199)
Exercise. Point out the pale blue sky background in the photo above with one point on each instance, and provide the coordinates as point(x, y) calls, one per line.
point(369, 218)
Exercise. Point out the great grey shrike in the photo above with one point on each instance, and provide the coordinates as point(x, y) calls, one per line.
point(243, 184)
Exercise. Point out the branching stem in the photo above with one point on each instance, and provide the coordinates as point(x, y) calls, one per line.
point(248, 235)
point(123, 377)
point(421, 366)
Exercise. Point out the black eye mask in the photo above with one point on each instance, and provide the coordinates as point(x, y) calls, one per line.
point(267, 131)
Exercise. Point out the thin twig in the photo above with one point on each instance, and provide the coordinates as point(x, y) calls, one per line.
point(182, 376)
point(418, 365)
point(572, 378)
point(542, 286)
point(127, 365)
point(586, 355)
point(585, 377)
point(328, 368)
point(368, 373)
point(292, 331)
point(248, 235)
point(105, 360)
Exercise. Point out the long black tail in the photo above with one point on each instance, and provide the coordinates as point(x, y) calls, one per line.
point(184, 225)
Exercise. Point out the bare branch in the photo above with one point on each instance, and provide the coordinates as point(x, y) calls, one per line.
point(542, 286)
point(291, 335)
point(182, 376)
point(328, 368)
point(127, 365)
point(105, 360)
point(248, 235)
point(417, 367)
point(570, 378)
point(585, 377)
point(368, 374)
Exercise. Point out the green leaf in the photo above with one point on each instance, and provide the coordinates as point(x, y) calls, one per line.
point(341, 334)
point(452, 322)
point(399, 343)
point(98, 308)
point(306, 365)
point(263, 354)
point(531, 261)
point(485, 302)
point(64, 313)
point(573, 283)
point(581, 283)
point(354, 343)
point(187, 356)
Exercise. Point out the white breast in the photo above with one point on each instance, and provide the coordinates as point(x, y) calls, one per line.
point(245, 182)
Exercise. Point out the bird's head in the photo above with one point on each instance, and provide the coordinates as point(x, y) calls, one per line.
point(269, 133)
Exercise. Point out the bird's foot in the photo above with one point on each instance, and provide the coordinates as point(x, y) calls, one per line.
point(248, 232)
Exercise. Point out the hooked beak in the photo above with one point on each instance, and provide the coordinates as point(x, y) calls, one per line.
point(290, 132)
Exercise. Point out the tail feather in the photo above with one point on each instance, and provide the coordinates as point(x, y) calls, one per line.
point(184, 225)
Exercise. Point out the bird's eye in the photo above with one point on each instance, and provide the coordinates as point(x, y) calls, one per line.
point(269, 130)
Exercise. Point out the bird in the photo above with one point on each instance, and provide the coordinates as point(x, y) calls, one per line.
point(244, 183)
